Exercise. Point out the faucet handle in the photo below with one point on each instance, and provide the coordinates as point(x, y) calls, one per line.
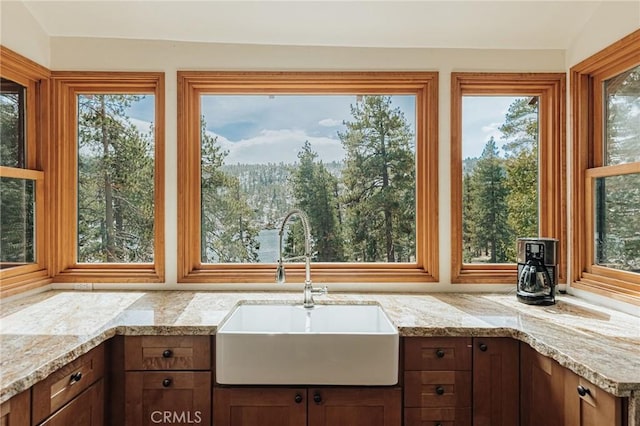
point(320, 291)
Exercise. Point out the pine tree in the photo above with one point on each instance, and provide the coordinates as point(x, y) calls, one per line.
point(229, 233)
point(115, 171)
point(315, 192)
point(520, 132)
point(490, 230)
point(379, 179)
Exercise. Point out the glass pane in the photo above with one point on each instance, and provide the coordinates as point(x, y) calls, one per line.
point(12, 124)
point(115, 178)
point(622, 130)
point(17, 226)
point(499, 176)
point(348, 161)
point(617, 222)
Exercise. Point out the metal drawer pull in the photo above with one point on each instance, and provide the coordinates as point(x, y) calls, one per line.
point(75, 378)
point(440, 353)
point(168, 353)
point(582, 391)
point(166, 383)
point(439, 390)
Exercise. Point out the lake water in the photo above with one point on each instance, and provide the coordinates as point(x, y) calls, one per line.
point(268, 239)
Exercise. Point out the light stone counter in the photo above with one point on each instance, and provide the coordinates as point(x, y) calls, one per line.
point(41, 333)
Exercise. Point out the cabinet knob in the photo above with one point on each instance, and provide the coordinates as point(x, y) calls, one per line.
point(166, 383)
point(317, 398)
point(439, 390)
point(298, 398)
point(582, 391)
point(168, 353)
point(438, 424)
point(440, 353)
point(75, 377)
point(483, 347)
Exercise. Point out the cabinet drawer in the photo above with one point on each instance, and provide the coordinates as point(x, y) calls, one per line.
point(61, 386)
point(437, 353)
point(87, 409)
point(167, 397)
point(437, 389)
point(167, 352)
point(437, 417)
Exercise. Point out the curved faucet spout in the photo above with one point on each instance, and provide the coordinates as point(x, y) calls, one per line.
point(309, 291)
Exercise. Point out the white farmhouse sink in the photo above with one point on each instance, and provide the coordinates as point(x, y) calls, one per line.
point(283, 344)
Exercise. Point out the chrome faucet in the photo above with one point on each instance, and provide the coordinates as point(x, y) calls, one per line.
point(309, 291)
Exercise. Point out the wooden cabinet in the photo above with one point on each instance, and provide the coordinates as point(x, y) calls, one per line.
point(585, 404)
point(167, 380)
point(17, 410)
point(72, 387)
point(541, 389)
point(496, 386)
point(260, 406)
point(87, 409)
point(437, 381)
point(555, 396)
point(327, 406)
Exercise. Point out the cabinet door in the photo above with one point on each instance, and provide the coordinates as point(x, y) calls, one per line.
point(87, 409)
point(541, 389)
point(167, 397)
point(354, 407)
point(260, 406)
point(495, 382)
point(17, 410)
point(588, 405)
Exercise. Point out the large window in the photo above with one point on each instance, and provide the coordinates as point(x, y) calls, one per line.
point(606, 129)
point(110, 168)
point(23, 162)
point(507, 170)
point(356, 152)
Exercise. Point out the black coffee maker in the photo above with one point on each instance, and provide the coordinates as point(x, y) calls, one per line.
point(537, 270)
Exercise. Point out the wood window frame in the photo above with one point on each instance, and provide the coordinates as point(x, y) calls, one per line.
point(66, 87)
point(587, 78)
point(191, 84)
point(550, 89)
point(35, 78)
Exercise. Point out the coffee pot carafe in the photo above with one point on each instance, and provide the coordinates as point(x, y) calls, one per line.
point(537, 270)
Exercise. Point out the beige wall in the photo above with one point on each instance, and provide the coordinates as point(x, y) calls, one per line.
point(609, 23)
point(20, 32)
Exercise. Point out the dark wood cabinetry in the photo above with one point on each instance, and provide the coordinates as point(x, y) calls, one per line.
point(260, 406)
point(585, 404)
point(541, 389)
point(166, 380)
point(17, 410)
point(327, 406)
point(496, 385)
point(555, 396)
point(87, 409)
point(437, 381)
point(73, 395)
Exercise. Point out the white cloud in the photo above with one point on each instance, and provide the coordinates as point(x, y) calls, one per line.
point(330, 122)
point(275, 146)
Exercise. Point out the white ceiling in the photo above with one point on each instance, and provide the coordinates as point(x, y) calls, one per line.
point(391, 23)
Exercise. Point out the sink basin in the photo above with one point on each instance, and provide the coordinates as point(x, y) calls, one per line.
point(260, 344)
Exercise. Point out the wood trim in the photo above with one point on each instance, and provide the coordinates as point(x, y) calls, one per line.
point(35, 78)
point(191, 84)
point(66, 87)
point(587, 147)
point(550, 88)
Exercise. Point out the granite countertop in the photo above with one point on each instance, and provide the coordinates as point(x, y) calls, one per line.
point(41, 333)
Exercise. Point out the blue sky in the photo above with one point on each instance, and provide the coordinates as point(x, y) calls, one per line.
point(262, 128)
